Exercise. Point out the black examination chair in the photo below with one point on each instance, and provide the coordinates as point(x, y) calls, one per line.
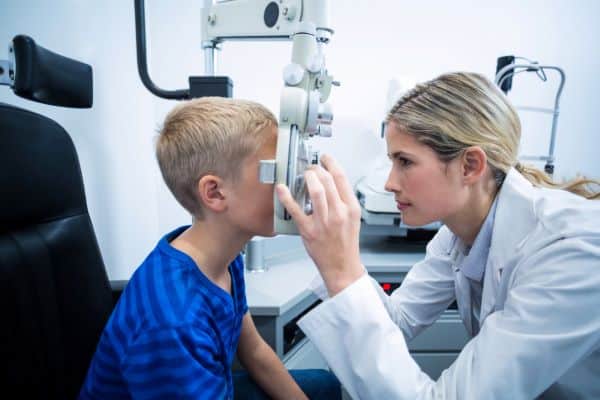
point(54, 291)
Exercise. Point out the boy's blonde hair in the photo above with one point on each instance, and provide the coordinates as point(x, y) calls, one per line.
point(209, 135)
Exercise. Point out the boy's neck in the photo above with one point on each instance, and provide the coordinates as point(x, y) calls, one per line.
point(212, 248)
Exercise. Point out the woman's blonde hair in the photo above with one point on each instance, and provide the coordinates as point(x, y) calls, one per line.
point(209, 135)
point(458, 110)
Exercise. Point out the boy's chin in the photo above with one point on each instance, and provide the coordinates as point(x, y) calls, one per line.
point(269, 232)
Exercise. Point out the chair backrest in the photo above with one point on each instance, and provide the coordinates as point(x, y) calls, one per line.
point(54, 290)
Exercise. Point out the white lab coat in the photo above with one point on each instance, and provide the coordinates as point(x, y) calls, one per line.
point(540, 310)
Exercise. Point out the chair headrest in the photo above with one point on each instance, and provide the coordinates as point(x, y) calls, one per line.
point(49, 78)
point(41, 179)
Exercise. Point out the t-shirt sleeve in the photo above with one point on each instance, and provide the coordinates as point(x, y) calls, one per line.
point(175, 363)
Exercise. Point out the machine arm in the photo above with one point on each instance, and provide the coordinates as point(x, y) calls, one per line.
point(142, 64)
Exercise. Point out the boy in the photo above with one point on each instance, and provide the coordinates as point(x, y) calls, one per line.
point(177, 325)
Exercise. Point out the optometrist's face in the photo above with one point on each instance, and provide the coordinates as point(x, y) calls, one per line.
point(425, 188)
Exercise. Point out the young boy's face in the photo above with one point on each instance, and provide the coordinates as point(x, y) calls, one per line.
point(251, 203)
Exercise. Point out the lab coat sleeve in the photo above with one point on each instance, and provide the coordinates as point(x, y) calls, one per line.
point(549, 322)
point(362, 345)
point(426, 291)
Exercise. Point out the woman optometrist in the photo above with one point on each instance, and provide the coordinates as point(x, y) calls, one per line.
point(520, 256)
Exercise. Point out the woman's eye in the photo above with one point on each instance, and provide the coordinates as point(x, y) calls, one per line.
point(404, 161)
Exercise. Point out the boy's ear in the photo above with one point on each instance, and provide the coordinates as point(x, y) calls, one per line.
point(474, 164)
point(211, 193)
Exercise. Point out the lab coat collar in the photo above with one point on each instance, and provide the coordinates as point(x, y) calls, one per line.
point(472, 265)
point(516, 221)
point(463, 300)
point(514, 203)
point(516, 216)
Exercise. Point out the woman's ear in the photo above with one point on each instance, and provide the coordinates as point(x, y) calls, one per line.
point(211, 194)
point(474, 164)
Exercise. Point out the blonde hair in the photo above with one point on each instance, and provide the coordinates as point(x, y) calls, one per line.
point(209, 135)
point(458, 110)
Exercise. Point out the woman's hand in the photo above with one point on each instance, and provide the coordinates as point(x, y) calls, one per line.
point(331, 232)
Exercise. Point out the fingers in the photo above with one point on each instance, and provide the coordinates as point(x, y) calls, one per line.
point(328, 189)
point(285, 197)
point(341, 182)
point(316, 191)
point(331, 192)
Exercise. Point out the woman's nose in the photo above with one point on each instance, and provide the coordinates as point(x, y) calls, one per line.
point(390, 184)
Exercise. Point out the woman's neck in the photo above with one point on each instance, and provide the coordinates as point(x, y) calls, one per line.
point(467, 223)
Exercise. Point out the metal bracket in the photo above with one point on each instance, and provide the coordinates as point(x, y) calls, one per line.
point(7, 76)
point(508, 71)
point(267, 172)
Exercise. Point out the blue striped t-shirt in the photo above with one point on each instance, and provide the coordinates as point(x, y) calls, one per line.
point(173, 333)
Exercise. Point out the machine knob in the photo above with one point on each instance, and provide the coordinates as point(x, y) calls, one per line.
point(289, 12)
point(316, 64)
point(293, 74)
point(314, 157)
point(324, 130)
point(325, 114)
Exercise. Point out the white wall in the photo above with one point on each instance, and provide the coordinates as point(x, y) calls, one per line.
point(375, 40)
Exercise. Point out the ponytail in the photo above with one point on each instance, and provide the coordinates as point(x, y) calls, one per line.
point(579, 185)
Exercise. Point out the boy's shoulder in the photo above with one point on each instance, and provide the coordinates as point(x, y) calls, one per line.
point(163, 291)
point(168, 289)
